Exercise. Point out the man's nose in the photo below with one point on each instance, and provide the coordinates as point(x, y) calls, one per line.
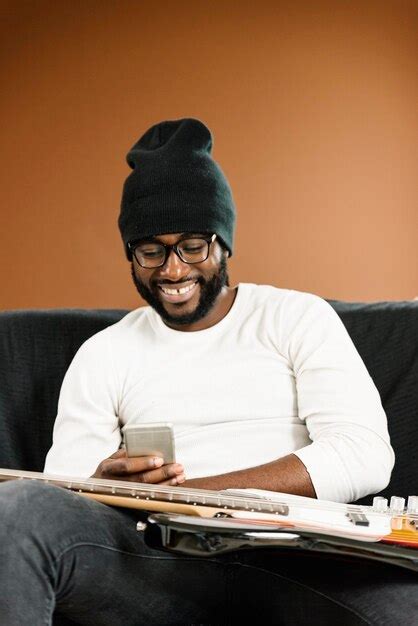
point(174, 268)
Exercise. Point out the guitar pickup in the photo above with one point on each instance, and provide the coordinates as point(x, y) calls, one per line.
point(358, 518)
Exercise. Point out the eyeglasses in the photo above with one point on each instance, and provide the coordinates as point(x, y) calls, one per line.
point(151, 254)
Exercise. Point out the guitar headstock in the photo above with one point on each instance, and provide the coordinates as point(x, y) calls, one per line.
point(404, 520)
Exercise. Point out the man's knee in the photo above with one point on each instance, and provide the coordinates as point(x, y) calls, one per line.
point(29, 504)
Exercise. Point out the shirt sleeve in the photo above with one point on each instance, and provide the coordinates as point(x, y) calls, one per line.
point(86, 429)
point(350, 455)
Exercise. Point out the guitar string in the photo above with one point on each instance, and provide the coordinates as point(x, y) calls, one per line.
point(194, 494)
point(237, 501)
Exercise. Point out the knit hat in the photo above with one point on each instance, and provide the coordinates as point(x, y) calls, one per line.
point(175, 185)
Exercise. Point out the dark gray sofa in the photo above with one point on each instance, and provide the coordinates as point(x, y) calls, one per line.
point(36, 347)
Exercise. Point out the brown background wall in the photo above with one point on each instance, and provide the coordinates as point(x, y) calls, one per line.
point(313, 110)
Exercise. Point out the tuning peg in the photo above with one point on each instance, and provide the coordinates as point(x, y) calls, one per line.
point(380, 504)
point(397, 504)
point(412, 506)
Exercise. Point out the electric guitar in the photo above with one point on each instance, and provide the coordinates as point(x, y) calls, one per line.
point(205, 523)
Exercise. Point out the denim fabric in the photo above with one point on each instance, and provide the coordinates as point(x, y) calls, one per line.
point(66, 557)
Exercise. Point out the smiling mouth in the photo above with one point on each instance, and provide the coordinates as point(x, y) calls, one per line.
point(178, 294)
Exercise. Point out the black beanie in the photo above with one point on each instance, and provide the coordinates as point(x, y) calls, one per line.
point(175, 185)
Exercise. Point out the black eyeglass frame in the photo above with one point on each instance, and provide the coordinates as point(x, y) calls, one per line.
point(168, 247)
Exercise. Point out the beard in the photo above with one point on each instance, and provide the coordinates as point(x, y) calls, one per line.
point(209, 291)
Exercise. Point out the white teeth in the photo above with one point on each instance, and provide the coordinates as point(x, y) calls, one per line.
point(175, 292)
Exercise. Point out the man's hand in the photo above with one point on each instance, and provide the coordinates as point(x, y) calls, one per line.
point(140, 469)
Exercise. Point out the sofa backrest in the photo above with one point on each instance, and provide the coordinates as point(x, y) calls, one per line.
point(37, 346)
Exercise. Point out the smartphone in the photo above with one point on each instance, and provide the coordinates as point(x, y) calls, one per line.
point(150, 439)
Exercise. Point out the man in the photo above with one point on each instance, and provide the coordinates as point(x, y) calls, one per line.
point(265, 390)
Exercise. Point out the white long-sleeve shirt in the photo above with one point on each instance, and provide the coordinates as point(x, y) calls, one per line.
point(278, 374)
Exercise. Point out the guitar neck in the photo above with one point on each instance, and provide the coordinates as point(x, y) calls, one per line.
point(270, 509)
point(152, 497)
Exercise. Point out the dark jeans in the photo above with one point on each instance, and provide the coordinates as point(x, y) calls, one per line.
point(62, 552)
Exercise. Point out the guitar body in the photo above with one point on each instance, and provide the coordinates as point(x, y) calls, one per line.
point(211, 537)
